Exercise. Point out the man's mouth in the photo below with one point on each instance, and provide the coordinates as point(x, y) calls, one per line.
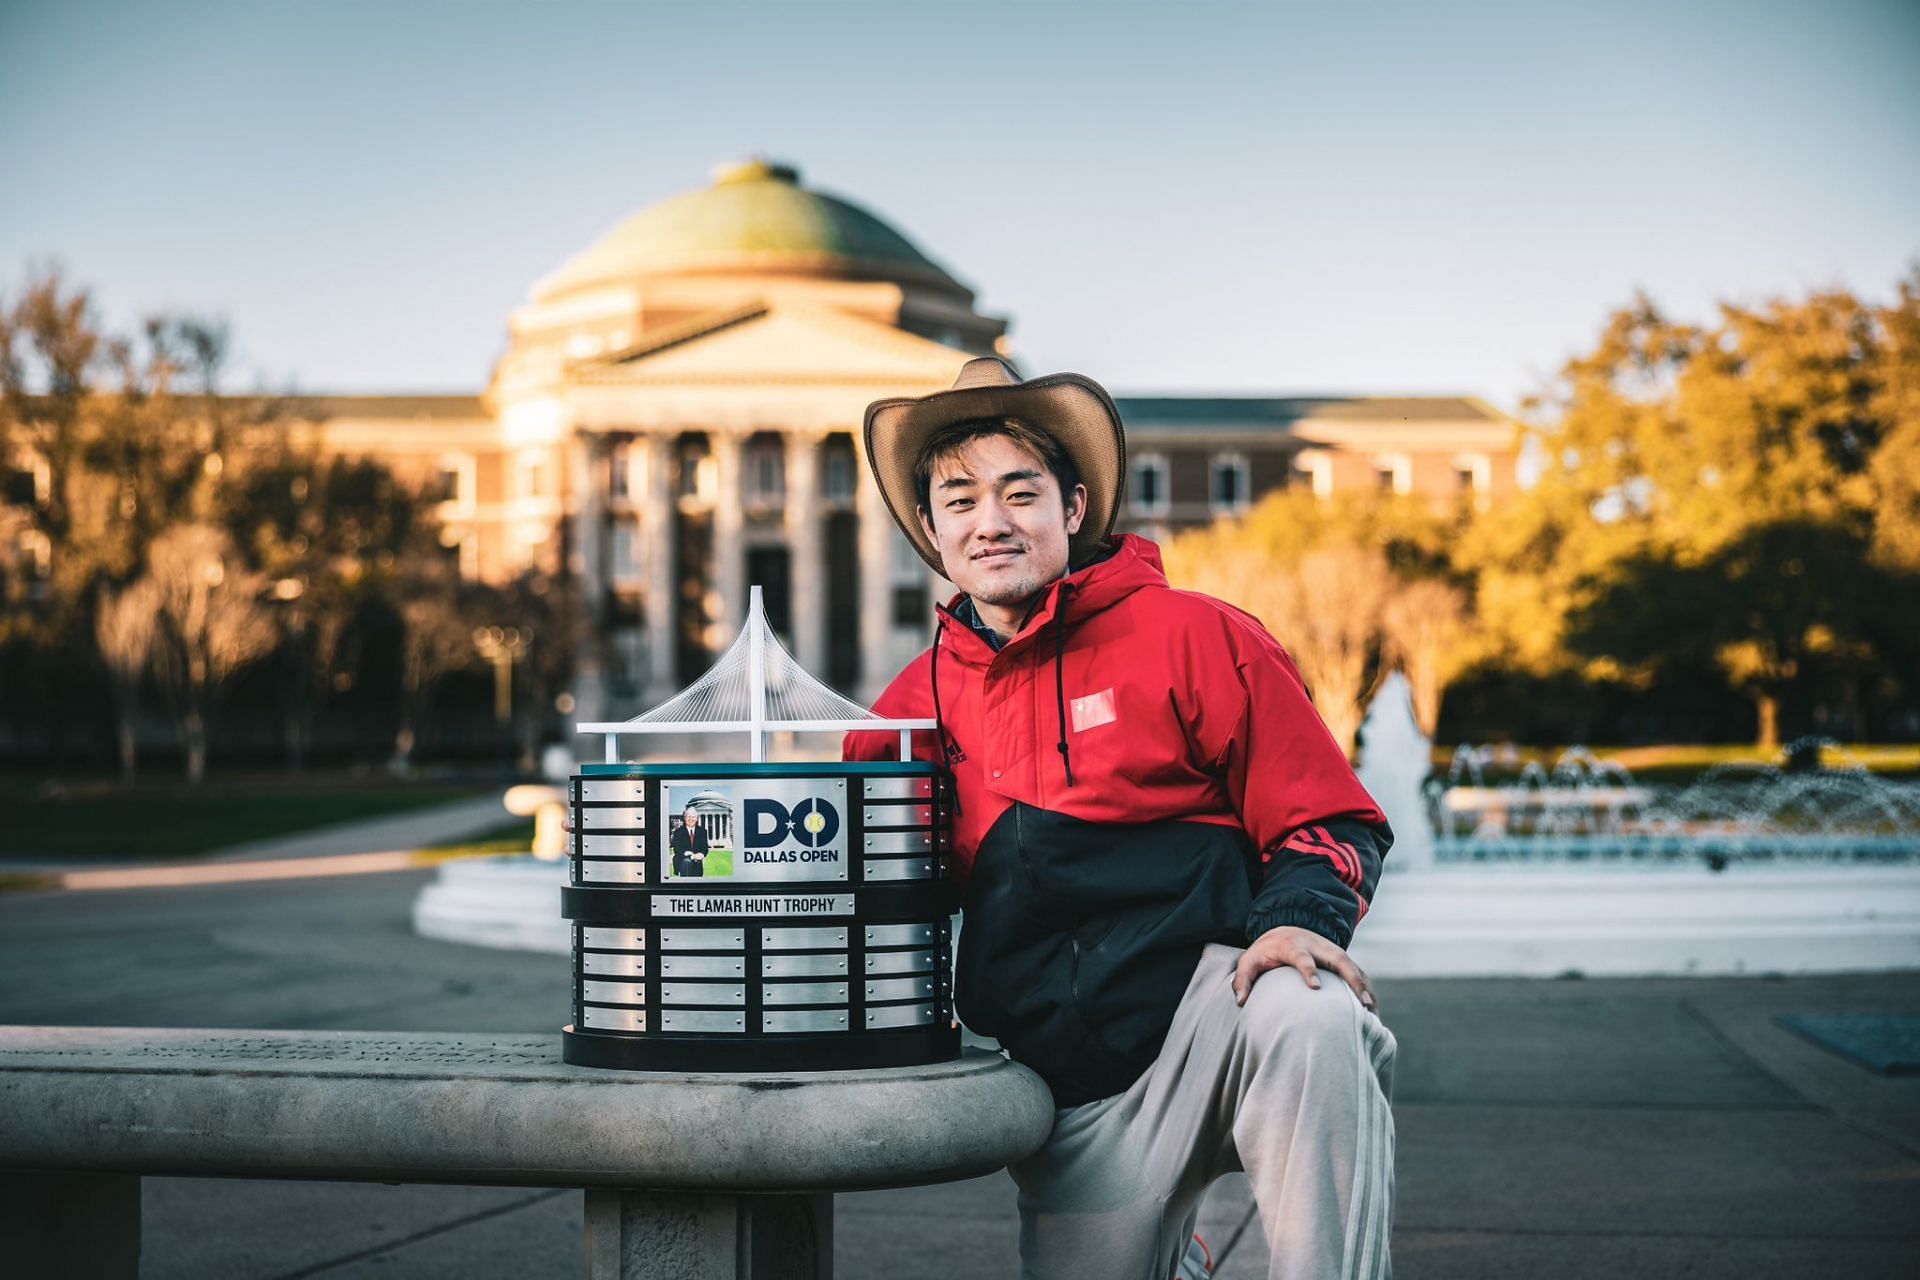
point(995, 553)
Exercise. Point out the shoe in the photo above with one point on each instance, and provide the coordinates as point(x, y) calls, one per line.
point(1198, 1262)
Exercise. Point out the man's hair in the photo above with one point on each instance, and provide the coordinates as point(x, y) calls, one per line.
point(946, 444)
point(689, 809)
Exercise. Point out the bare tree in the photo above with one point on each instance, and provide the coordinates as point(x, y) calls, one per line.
point(125, 628)
point(438, 641)
point(1425, 632)
point(212, 625)
point(1325, 609)
point(1330, 623)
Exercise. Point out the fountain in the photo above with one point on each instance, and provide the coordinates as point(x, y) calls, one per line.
point(1581, 868)
point(1394, 762)
point(1505, 867)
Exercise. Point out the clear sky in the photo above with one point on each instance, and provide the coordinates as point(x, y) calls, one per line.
point(1281, 198)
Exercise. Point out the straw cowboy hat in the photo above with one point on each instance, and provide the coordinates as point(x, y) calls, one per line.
point(1074, 410)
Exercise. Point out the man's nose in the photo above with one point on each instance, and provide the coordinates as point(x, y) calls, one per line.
point(995, 521)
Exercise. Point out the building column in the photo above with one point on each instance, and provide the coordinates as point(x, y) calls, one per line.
point(729, 551)
point(802, 520)
point(587, 481)
point(657, 504)
point(876, 585)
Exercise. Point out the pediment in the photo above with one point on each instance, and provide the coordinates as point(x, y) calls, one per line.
point(778, 343)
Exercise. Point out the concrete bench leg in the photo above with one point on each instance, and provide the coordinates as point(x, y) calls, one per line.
point(665, 1235)
point(80, 1225)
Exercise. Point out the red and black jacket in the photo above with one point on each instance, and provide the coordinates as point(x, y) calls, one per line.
point(1139, 773)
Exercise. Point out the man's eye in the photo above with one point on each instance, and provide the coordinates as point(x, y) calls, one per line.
point(1022, 496)
point(959, 504)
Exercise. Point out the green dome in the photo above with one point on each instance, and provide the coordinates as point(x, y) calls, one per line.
point(755, 217)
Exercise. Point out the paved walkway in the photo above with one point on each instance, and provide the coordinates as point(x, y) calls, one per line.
point(1546, 1129)
point(413, 829)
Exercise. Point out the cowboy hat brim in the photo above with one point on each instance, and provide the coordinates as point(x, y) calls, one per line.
point(1074, 410)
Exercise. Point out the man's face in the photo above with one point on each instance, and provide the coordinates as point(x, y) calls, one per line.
point(999, 521)
point(688, 819)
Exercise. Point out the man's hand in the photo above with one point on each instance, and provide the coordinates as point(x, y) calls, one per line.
point(1301, 949)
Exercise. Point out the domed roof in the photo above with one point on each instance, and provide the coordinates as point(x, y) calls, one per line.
point(755, 217)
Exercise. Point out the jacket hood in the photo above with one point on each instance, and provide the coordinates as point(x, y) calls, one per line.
point(1134, 563)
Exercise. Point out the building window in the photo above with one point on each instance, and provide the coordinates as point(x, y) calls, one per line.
point(1473, 472)
point(1147, 485)
point(533, 475)
point(629, 649)
point(765, 472)
point(1227, 485)
point(1319, 468)
point(36, 549)
point(619, 472)
point(910, 606)
point(694, 471)
point(837, 474)
point(453, 480)
point(907, 573)
point(624, 569)
point(1394, 473)
point(18, 487)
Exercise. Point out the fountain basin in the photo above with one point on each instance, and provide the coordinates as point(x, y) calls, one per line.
point(512, 903)
point(1446, 921)
point(1545, 921)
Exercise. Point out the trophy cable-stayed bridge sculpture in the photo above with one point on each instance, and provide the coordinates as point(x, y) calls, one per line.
point(756, 687)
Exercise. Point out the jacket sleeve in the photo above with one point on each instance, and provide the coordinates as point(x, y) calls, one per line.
point(907, 698)
point(1319, 836)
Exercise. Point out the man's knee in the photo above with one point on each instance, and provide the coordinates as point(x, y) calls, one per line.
point(1283, 1008)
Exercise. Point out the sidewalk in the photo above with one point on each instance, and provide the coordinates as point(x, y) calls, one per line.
point(414, 829)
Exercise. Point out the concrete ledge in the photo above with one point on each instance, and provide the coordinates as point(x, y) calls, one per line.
point(401, 1107)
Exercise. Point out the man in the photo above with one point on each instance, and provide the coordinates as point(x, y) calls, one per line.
point(689, 844)
point(1161, 846)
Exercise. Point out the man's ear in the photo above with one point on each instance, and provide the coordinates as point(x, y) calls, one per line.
point(926, 525)
point(1076, 509)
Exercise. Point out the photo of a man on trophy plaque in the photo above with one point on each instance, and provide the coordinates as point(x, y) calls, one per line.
point(701, 843)
point(690, 846)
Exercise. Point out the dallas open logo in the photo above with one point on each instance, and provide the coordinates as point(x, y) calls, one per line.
point(812, 824)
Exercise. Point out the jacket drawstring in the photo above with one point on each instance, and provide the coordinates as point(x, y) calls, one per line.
point(948, 748)
point(1059, 677)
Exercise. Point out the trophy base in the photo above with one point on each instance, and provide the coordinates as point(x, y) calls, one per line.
point(760, 1055)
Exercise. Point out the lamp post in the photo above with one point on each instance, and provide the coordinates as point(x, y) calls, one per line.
point(500, 646)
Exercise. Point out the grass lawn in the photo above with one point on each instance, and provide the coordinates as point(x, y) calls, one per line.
point(512, 837)
point(517, 837)
point(1683, 762)
point(167, 820)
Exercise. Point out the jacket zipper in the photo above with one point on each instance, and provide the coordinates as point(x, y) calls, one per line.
point(1073, 979)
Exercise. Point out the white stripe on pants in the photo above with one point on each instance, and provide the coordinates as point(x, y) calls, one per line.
point(1294, 1088)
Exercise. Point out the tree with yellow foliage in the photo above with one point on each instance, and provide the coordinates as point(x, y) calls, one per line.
point(1742, 493)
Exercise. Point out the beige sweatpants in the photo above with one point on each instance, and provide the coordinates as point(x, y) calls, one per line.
point(1294, 1088)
